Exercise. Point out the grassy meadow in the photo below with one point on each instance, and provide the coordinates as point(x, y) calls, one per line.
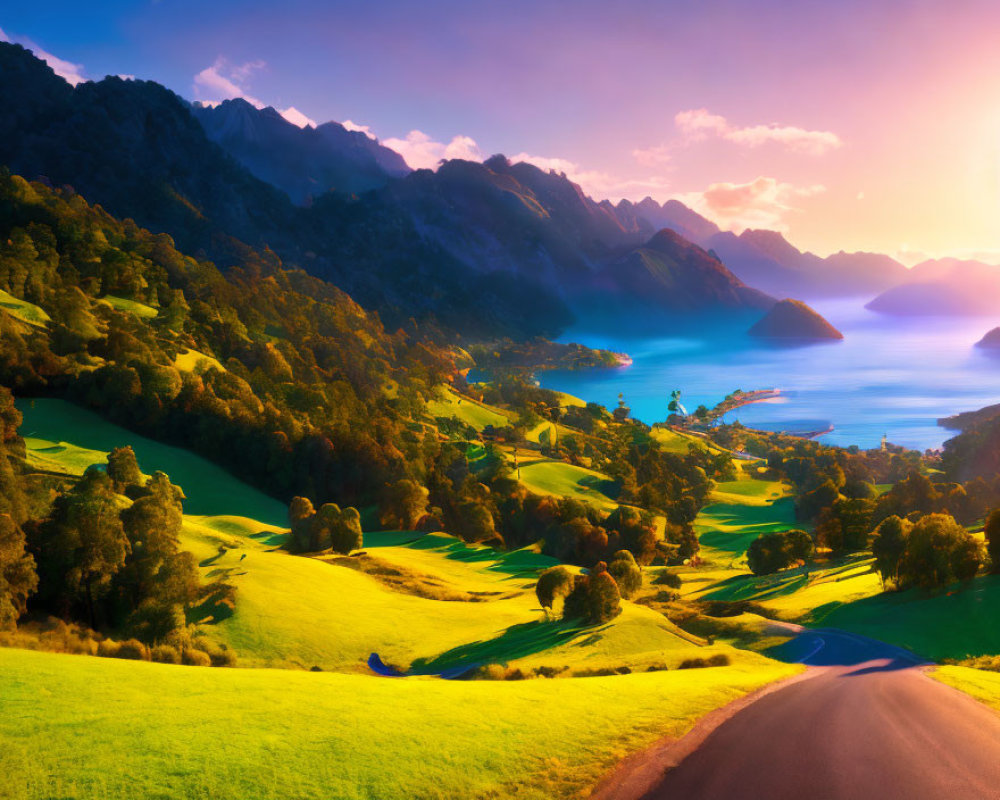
point(343, 732)
point(23, 310)
point(66, 434)
point(153, 730)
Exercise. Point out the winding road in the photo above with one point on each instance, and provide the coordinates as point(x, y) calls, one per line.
point(864, 723)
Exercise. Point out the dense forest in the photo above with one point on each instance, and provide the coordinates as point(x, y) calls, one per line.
point(289, 384)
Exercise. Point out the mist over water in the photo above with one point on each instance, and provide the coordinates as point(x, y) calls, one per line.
point(889, 375)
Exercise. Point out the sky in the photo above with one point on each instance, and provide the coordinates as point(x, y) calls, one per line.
point(852, 125)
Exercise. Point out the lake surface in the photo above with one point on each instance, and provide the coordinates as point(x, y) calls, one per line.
point(890, 375)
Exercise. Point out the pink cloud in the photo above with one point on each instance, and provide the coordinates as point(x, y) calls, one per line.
point(420, 151)
point(597, 184)
point(296, 117)
point(353, 126)
point(653, 156)
point(223, 81)
point(761, 203)
point(697, 124)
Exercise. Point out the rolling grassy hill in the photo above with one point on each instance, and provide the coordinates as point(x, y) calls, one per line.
point(254, 734)
point(131, 306)
point(451, 405)
point(266, 733)
point(191, 360)
point(62, 432)
point(23, 310)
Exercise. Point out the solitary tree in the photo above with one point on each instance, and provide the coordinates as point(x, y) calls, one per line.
point(595, 597)
point(626, 573)
point(553, 583)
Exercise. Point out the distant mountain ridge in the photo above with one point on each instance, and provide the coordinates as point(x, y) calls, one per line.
point(766, 260)
point(943, 287)
point(486, 249)
point(302, 162)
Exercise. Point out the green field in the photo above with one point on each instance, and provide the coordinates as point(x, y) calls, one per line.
point(984, 686)
point(193, 360)
point(958, 622)
point(131, 306)
point(742, 511)
point(23, 310)
point(566, 480)
point(64, 433)
point(453, 406)
point(679, 442)
point(80, 727)
point(750, 492)
point(265, 733)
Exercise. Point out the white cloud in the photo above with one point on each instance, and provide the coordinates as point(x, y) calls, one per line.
point(422, 152)
point(296, 117)
point(761, 203)
point(698, 124)
point(67, 70)
point(223, 81)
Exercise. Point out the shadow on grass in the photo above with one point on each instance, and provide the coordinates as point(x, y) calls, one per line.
point(271, 539)
point(518, 641)
point(213, 609)
point(609, 488)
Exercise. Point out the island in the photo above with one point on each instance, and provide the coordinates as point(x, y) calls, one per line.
point(991, 341)
point(793, 319)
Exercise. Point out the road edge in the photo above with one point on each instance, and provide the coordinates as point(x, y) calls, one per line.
point(633, 777)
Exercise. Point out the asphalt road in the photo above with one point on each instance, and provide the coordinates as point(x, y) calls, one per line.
point(868, 725)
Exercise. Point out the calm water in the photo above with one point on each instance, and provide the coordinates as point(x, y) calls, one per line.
point(889, 375)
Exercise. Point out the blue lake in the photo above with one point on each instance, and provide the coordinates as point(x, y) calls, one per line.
point(890, 375)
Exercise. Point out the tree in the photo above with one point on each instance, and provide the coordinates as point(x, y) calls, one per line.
point(626, 573)
point(888, 546)
point(83, 544)
point(846, 524)
point(812, 502)
point(345, 534)
point(553, 584)
point(123, 468)
point(594, 598)
point(158, 580)
point(17, 572)
point(775, 551)
point(992, 531)
point(404, 503)
point(799, 545)
point(300, 515)
point(938, 551)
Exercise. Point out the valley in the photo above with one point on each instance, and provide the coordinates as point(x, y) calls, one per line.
point(645, 446)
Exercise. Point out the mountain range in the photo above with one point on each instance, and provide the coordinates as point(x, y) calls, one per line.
point(766, 260)
point(302, 162)
point(943, 287)
point(485, 248)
